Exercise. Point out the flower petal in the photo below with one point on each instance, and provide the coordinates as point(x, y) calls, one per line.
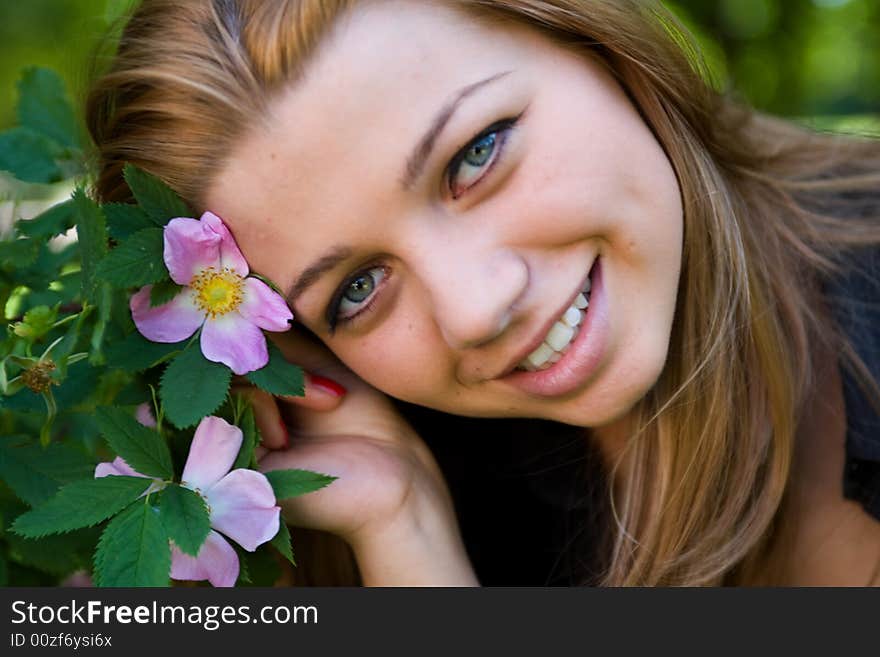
point(234, 341)
point(243, 507)
point(171, 322)
point(213, 450)
point(190, 247)
point(144, 414)
point(230, 254)
point(264, 307)
point(116, 467)
point(216, 562)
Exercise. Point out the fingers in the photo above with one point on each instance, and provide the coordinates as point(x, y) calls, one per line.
point(321, 393)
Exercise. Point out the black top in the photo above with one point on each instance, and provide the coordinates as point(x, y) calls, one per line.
point(855, 299)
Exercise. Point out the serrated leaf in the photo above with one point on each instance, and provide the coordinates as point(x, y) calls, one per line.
point(282, 542)
point(44, 107)
point(81, 504)
point(133, 550)
point(141, 447)
point(124, 219)
point(92, 235)
point(250, 439)
point(163, 292)
point(135, 353)
point(193, 387)
point(158, 200)
point(278, 376)
point(54, 221)
point(35, 474)
point(262, 567)
point(135, 262)
point(291, 483)
point(186, 518)
point(29, 156)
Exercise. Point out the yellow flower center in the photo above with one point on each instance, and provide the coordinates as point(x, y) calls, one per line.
point(217, 292)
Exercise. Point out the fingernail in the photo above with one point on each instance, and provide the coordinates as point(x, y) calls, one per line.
point(286, 434)
point(326, 385)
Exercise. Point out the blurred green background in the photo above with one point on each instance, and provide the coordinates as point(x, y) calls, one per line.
point(797, 58)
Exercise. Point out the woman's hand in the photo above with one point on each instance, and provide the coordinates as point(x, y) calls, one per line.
point(390, 501)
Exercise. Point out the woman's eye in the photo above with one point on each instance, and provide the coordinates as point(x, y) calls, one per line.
point(472, 163)
point(355, 295)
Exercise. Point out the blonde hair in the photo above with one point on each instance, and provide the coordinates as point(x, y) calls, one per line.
point(770, 211)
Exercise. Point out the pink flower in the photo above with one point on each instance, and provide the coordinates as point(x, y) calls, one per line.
point(218, 296)
point(241, 503)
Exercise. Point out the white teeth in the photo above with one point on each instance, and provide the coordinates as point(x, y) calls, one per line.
point(559, 336)
point(572, 316)
point(540, 355)
point(581, 302)
point(555, 357)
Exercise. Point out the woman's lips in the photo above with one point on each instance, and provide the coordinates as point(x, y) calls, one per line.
point(583, 355)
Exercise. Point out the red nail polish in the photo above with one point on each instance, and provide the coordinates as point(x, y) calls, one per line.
point(328, 386)
point(286, 434)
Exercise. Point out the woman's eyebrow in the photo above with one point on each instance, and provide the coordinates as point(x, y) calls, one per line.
point(415, 163)
point(414, 166)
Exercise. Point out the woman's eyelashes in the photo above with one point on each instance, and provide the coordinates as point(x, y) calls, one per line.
point(355, 296)
point(466, 169)
point(478, 157)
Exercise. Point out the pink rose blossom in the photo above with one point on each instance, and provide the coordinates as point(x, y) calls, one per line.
point(218, 296)
point(241, 503)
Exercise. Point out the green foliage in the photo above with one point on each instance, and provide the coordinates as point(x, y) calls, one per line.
point(54, 221)
point(35, 473)
point(282, 542)
point(81, 504)
point(193, 387)
point(278, 376)
point(141, 447)
point(135, 353)
point(124, 219)
point(250, 439)
point(135, 262)
point(29, 156)
point(157, 200)
point(43, 107)
point(185, 517)
point(163, 292)
point(92, 232)
point(292, 483)
point(133, 550)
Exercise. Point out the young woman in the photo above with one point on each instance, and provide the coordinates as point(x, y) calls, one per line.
point(630, 304)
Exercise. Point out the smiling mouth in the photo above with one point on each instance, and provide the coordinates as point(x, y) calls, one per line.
point(558, 339)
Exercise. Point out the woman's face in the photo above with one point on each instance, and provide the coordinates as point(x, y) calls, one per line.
point(436, 193)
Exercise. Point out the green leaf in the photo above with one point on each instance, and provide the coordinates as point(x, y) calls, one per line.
point(291, 483)
point(141, 447)
point(124, 219)
point(135, 353)
point(35, 474)
point(186, 518)
point(29, 156)
point(92, 234)
point(193, 387)
point(133, 550)
point(81, 504)
point(54, 221)
point(44, 107)
point(278, 376)
point(19, 253)
point(282, 543)
point(163, 292)
point(58, 555)
point(135, 262)
point(159, 201)
point(250, 439)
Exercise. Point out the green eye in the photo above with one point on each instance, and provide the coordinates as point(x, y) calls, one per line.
point(359, 288)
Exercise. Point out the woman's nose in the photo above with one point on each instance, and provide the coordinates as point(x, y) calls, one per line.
point(474, 293)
